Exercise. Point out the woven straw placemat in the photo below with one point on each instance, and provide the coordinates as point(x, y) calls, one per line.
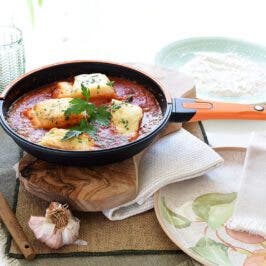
point(140, 234)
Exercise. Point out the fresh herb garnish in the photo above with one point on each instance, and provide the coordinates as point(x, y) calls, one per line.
point(102, 116)
point(115, 106)
point(92, 80)
point(78, 106)
point(98, 89)
point(125, 123)
point(85, 92)
point(71, 134)
point(85, 127)
point(110, 83)
point(76, 131)
point(97, 115)
point(129, 99)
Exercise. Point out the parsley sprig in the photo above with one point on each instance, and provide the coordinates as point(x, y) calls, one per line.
point(110, 83)
point(97, 115)
point(76, 131)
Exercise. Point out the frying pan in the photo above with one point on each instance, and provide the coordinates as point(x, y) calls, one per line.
point(177, 110)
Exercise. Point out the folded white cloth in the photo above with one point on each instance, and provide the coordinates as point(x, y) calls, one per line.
point(176, 157)
point(250, 213)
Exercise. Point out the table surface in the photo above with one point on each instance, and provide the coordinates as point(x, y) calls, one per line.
point(134, 31)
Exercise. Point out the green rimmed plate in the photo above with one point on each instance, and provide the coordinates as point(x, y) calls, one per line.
point(193, 214)
point(178, 53)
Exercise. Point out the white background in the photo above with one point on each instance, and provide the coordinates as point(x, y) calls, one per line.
point(135, 31)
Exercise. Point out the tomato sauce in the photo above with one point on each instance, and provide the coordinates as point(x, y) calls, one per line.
point(106, 137)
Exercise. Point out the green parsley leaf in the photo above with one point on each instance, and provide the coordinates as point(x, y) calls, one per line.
point(77, 107)
point(102, 116)
point(110, 83)
point(90, 109)
point(70, 134)
point(115, 107)
point(129, 99)
point(83, 127)
point(125, 123)
point(85, 92)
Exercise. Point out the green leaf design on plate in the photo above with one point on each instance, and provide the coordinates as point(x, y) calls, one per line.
point(219, 214)
point(214, 208)
point(213, 251)
point(178, 221)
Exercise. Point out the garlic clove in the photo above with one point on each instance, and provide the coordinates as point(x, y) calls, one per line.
point(46, 231)
point(71, 231)
point(55, 241)
point(40, 228)
point(36, 221)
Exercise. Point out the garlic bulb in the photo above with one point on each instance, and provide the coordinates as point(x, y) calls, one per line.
point(58, 228)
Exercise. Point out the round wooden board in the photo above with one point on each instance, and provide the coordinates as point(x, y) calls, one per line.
point(101, 187)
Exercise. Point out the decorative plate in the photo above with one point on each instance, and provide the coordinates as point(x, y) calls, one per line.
point(178, 53)
point(193, 214)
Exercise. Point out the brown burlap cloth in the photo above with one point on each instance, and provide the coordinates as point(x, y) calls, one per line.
point(140, 234)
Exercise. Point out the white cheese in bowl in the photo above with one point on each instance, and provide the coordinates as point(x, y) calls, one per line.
point(228, 77)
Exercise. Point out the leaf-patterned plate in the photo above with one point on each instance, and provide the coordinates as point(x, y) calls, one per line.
point(193, 213)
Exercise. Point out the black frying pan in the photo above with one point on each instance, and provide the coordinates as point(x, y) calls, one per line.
point(178, 110)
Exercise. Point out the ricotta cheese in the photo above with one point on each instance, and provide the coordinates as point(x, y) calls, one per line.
point(126, 117)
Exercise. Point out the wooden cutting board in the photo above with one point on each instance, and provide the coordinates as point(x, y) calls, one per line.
point(100, 187)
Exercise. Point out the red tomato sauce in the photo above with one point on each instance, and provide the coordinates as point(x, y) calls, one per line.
point(106, 137)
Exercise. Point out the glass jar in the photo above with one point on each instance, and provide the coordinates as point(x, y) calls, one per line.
point(12, 56)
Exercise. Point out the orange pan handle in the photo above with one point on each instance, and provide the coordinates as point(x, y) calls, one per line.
point(191, 110)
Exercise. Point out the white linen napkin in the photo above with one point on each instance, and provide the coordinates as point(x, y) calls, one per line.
point(176, 157)
point(250, 212)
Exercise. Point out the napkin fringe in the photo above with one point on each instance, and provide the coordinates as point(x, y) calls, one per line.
point(249, 225)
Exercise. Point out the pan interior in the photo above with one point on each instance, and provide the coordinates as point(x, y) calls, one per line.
point(57, 72)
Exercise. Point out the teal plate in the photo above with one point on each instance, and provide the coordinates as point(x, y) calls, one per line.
point(178, 53)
